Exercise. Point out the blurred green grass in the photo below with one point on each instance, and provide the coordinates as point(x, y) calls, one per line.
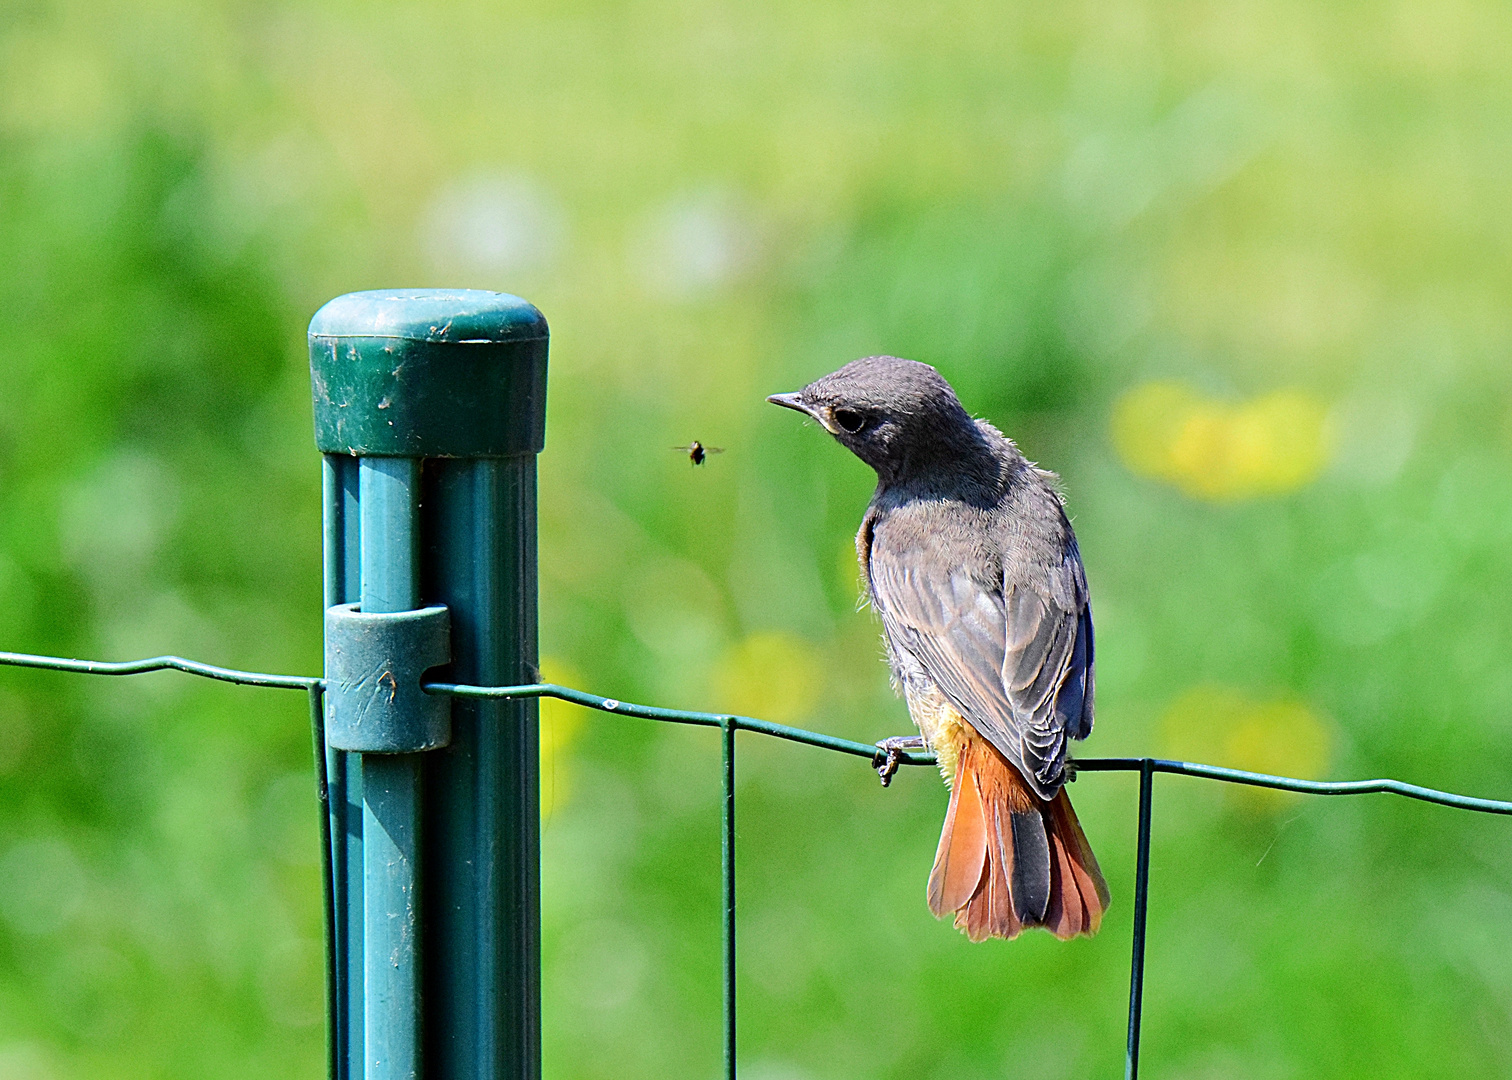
point(713, 202)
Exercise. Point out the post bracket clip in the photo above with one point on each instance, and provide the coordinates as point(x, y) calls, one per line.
point(374, 664)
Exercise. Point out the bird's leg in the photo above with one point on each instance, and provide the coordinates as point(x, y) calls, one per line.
point(889, 753)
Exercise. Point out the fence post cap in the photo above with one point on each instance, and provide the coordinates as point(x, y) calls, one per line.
point(429, 373)
point(471, 316)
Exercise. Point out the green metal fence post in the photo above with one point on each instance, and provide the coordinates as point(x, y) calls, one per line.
point(389, 504)
point(430, 409)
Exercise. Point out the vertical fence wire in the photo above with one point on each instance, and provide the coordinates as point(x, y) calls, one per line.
point(727, 728)
point(1141, 898)
point(327, 875)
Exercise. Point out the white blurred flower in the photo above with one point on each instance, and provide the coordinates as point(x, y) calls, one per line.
point(113, 519)
point(492, 223)
point(1374, 434)
point(696, 243)
point(26, 1061)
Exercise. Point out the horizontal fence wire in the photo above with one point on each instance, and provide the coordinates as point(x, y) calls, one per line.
point(678, 716)
point(161, 663)
point(876, 754)
point(729, 724)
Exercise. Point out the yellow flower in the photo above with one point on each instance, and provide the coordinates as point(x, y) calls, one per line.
point(1217, 450)
point(1218, 725)
point(771, 675)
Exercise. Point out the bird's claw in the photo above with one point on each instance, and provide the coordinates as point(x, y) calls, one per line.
point(889, 755)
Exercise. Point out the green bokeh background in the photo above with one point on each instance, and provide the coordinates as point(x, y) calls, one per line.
point(711, 202)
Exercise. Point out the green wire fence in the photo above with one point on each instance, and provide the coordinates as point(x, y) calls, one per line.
point(429, 413)
point(728, 724)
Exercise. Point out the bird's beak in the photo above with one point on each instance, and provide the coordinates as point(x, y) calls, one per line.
point(790, 401)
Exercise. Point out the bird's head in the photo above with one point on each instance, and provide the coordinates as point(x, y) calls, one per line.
point(895, 415)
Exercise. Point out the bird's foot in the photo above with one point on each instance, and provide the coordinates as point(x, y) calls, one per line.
point(890, 752)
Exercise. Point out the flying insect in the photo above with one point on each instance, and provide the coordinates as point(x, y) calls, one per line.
point(697, 452)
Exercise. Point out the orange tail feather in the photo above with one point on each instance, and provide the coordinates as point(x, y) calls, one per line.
point(1007, 861)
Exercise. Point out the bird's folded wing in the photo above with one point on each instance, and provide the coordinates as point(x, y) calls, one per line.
point(1015, 660)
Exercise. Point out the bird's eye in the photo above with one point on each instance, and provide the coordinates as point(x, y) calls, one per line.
point(849, 420)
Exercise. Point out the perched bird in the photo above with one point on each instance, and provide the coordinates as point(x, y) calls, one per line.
point(697, 452)
point(969, 559)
